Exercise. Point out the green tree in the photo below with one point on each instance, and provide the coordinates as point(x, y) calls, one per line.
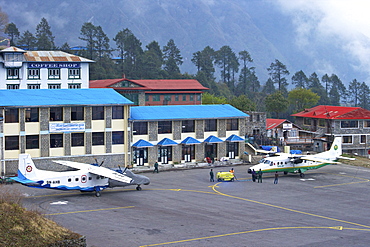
point(269, 87)
point(248, 81)
point(88, 34)
point(276, 103)
point(102, 43)
point(152, 61)
point(338, 91)
point(172, 60)
point(315, 86)
point(354, 92)
point(66, 48)
point(325, 79)
point(13, 33)
point(301, 98)
point(226, 59)
point(364, 96)
point(27, 41)
point(277, 72)
point(243, 103)
point(211, 99)
point(299, 79)
point(44, 36)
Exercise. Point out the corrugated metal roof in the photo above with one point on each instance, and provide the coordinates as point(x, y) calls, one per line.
point(12, 49)
point(334, 112)
point(53, 56)
point(173, 112)
point(61, 97)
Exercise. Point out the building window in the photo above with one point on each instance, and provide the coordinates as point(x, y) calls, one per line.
point(77, 113)
point(54, 86)
point(11, 142)
point(56, 140)
point(12, 115)
point(74, 74)
point(32, 141)
point(56, 114)
point(156, 97)
point(78, 139)
point(250, 118)
point(32, 114)
point(191, 97)
point(33, 86)
point(349, 124)
point(322, 122)
point(184, 97)
point(146, 97)
point(117, 137)
point(167, 98)
point(199, 97)
point(362, 139)
point(258, 118)
point(117, 112)
point(164, 127)
point(12, 74)
point(33, 74)
point(74, 85)
point(54, 74)
point(188, 126)
point(12, 86)
point(307, 121)
point(210, 125)
point(232, 124)
point(140, 128)
point(177, 97)
point(367, 124)
point(98, 113)
point(347, 139)
point(97, 138)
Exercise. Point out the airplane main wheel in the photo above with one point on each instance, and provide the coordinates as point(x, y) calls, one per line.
point(97, 193)
point(138, 188)
point(285, 173)
point(301, 175)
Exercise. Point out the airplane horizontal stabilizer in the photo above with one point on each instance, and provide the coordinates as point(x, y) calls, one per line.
point(319, 160)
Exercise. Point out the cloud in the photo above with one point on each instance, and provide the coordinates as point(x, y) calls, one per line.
point(340, 23)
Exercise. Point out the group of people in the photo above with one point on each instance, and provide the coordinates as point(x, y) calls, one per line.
point(255, 176)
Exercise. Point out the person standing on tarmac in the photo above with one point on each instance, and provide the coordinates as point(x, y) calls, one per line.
point(276, 178)
point(254, 175)
point(211, 176)
point(232, 171)
point(260, 176)
point(156, 167)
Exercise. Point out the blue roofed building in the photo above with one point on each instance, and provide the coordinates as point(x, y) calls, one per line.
point(186, 133)
point(78, 125)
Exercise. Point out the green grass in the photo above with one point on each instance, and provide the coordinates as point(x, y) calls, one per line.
point(21, 227)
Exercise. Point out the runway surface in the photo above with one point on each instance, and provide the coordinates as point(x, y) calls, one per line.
point(329, 207)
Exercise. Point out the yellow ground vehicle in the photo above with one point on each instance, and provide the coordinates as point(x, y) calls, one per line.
point(225, 176)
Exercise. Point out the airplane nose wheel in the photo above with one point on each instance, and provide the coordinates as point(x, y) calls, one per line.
point(301, 175)
point(138, 188)
point(97, 193)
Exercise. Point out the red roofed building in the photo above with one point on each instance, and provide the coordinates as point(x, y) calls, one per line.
point(352, 123)
point(156, 92)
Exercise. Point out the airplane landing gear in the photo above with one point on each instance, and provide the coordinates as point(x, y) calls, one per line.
point(97, 193)
point(138, 188)
point(301, 175)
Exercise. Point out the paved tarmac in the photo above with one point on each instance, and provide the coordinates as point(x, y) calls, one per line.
point(329, 207)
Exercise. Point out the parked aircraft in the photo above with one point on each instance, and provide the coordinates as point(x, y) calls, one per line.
point(87, 177)
point(277, 162)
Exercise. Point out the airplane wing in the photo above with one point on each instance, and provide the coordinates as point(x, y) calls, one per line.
point(346, 158)
point(97, 170)
point(318, 160)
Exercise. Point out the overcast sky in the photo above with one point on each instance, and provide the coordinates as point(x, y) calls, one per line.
point(345, 23)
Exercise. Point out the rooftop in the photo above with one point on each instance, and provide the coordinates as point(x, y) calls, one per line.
point(334, 112)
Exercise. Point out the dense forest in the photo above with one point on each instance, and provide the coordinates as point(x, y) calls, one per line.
point(281, 95)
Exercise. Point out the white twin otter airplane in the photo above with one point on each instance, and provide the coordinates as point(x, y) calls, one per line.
point(284, 162)
point(87, 177)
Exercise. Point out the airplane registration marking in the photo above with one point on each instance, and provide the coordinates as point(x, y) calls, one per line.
point(338, 228)
point(91, 210)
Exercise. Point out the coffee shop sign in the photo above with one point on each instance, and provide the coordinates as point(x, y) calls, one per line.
point(66, 127)
point(54, 65)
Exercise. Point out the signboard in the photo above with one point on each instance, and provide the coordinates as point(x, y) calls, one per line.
point(66, 127)
point(54, 65)
point(287, 125)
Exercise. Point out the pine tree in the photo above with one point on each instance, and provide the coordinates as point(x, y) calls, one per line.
point(44, 36)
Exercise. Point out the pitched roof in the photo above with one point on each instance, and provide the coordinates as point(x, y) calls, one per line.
point(184, 112)
point(334, 112)
point(53, 56)
point(273, 123)
point(61, 97)
point(181, 84)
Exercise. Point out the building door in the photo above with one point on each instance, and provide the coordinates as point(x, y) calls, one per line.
point(211, 150)
point(164, 154)
point(232, 149)
point(141, 156)
point(188, 152)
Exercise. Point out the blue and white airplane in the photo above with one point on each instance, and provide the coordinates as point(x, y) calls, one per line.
point(87, 177)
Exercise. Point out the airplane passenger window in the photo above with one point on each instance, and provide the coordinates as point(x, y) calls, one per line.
point(76, 179)
point(69, 180)
point(90, 178)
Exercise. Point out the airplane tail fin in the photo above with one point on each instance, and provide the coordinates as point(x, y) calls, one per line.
point(26, 167)
point(336, 148)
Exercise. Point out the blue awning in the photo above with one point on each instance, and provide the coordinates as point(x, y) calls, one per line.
point(166, 142)
point(142, 144)
point(234, 138)
point(213, 139)
point(190, 140)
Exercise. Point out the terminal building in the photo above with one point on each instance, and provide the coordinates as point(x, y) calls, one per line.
point(78, 125)
point(186, 133)
point(42, 70)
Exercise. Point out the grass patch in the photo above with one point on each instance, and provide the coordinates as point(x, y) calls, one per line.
point(20, 227)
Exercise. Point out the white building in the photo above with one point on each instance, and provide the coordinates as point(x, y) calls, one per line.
point(42, 70)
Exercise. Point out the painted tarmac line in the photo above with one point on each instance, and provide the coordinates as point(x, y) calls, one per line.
point(337, 228)
point(91, 210)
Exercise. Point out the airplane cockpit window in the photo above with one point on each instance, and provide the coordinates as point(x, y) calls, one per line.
point(262, 161)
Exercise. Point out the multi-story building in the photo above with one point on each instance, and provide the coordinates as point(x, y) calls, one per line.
point(155, 92)
point(352, 123)
point(42, 70)
point(78, 125)
point(186, 133)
